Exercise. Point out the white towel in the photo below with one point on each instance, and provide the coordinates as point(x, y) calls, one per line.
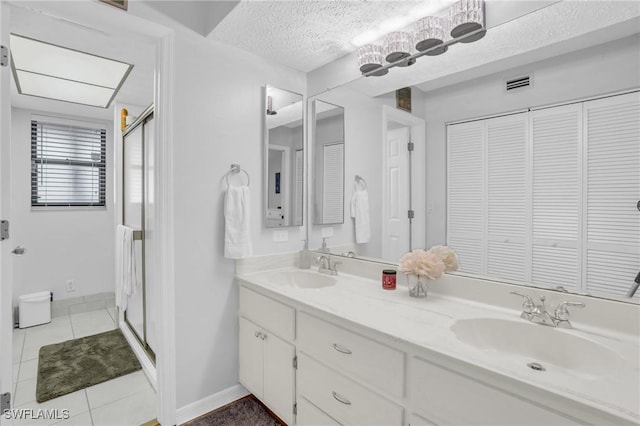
point(237, 231)
point(126, 273)
point(360, 213)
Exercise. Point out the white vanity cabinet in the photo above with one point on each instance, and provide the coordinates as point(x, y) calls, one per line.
point(442, 396)
point(352, 378)
point(266, 359)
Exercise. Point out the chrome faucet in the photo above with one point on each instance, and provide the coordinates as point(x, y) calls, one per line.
point(326, 266)
point(537, 313)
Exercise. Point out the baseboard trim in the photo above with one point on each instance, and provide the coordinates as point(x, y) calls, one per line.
point(210, 403)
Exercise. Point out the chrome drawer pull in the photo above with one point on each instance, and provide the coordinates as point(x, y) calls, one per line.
point(341, 398)
point(340, 349)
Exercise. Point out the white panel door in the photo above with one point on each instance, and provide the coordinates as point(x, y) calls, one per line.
point(250, 357)
point(507, 201)
point(612, 177)
point(279, 379)
point(396, 196)
point(557, 187)
point(466, 194)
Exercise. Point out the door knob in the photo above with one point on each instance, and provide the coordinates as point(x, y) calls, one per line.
point(18, 251)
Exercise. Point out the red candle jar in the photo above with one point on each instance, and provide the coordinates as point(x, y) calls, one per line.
point(389, 279)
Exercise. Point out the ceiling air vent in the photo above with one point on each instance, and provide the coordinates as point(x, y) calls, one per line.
point(518, 83)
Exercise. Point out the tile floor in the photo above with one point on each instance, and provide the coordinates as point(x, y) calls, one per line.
point(128, 400)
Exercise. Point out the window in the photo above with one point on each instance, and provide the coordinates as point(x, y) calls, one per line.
point(68, 165)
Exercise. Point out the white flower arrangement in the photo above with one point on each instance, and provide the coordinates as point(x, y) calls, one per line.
point(448, 256)
point(430, 264)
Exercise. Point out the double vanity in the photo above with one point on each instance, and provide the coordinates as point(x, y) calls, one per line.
point(320, 349)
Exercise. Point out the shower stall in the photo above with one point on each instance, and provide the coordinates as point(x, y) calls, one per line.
point(137, 199)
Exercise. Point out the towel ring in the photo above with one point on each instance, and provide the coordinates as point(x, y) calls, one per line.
point(235, 168)
point(360, 179)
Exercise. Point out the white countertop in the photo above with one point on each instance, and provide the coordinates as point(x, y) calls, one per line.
point(426, 323)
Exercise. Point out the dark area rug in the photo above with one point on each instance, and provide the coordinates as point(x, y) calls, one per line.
point(243, 412)
point(79, 363)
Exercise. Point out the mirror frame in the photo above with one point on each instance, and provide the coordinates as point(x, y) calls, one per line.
point(265, 160)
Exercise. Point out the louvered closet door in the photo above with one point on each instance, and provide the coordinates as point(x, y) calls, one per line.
point(465, 203)
point(556, 184)
point(612, 158)
point(507, 201)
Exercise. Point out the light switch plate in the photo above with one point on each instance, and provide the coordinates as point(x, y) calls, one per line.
point(280, 236)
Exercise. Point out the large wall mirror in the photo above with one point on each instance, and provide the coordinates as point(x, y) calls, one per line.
point(283, 158)
point(528, 187)
point(328, 163)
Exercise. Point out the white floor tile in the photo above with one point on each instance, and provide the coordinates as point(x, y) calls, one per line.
point(88, 323)
point(28, 370)
point(118, 388)
point(131, 411)
point(25, 392)
point(75, 403)
point(57, 331)
point(16, 370)
point(80, 420)
point(114, 314)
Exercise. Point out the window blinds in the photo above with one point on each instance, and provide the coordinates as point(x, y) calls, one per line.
point(68, 165)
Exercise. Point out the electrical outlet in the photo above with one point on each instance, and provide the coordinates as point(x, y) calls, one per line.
point(71, 286)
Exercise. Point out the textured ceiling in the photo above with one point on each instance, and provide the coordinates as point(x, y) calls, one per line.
point(308, 34)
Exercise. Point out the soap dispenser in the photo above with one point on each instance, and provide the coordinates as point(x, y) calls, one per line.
point(324, 248)
point(305, 256)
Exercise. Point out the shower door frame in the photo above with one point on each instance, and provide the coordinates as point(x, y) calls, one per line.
point(146, 115)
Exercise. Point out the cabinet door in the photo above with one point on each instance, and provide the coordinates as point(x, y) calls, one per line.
point(310, 415)
point(250, 357)
point(279, 378)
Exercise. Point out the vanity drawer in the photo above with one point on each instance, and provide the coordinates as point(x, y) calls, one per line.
point(342, 398)
point(274, 316)
point(368, 360)
point(310, 415)
point(439, 393)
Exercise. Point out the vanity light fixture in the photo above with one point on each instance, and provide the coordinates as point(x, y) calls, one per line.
point(431, 36)
point(49, 71)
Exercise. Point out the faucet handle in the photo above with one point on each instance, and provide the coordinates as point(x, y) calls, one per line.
point(527, 306)
point(335, 265)
point(562, 313)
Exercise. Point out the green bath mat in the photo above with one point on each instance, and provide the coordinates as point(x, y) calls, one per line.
point(79, 363)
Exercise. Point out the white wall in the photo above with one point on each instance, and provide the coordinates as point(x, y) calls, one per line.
point(61, 243)
point(599, 70)
point(218, 117)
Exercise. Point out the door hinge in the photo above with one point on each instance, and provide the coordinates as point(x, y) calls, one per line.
point(4, 229)
point(410, 146)
point(5, 402)
point(410, 214)
point(295, 362)
point(295, 408)
point(4, 56)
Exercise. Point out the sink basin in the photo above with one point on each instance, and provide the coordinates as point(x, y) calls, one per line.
point(300, 279)
point(549, 347)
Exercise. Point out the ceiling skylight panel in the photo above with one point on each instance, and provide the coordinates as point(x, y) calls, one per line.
point(94, 75)
point(63, 90)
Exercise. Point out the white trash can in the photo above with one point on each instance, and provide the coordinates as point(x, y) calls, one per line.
point(34, 309)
